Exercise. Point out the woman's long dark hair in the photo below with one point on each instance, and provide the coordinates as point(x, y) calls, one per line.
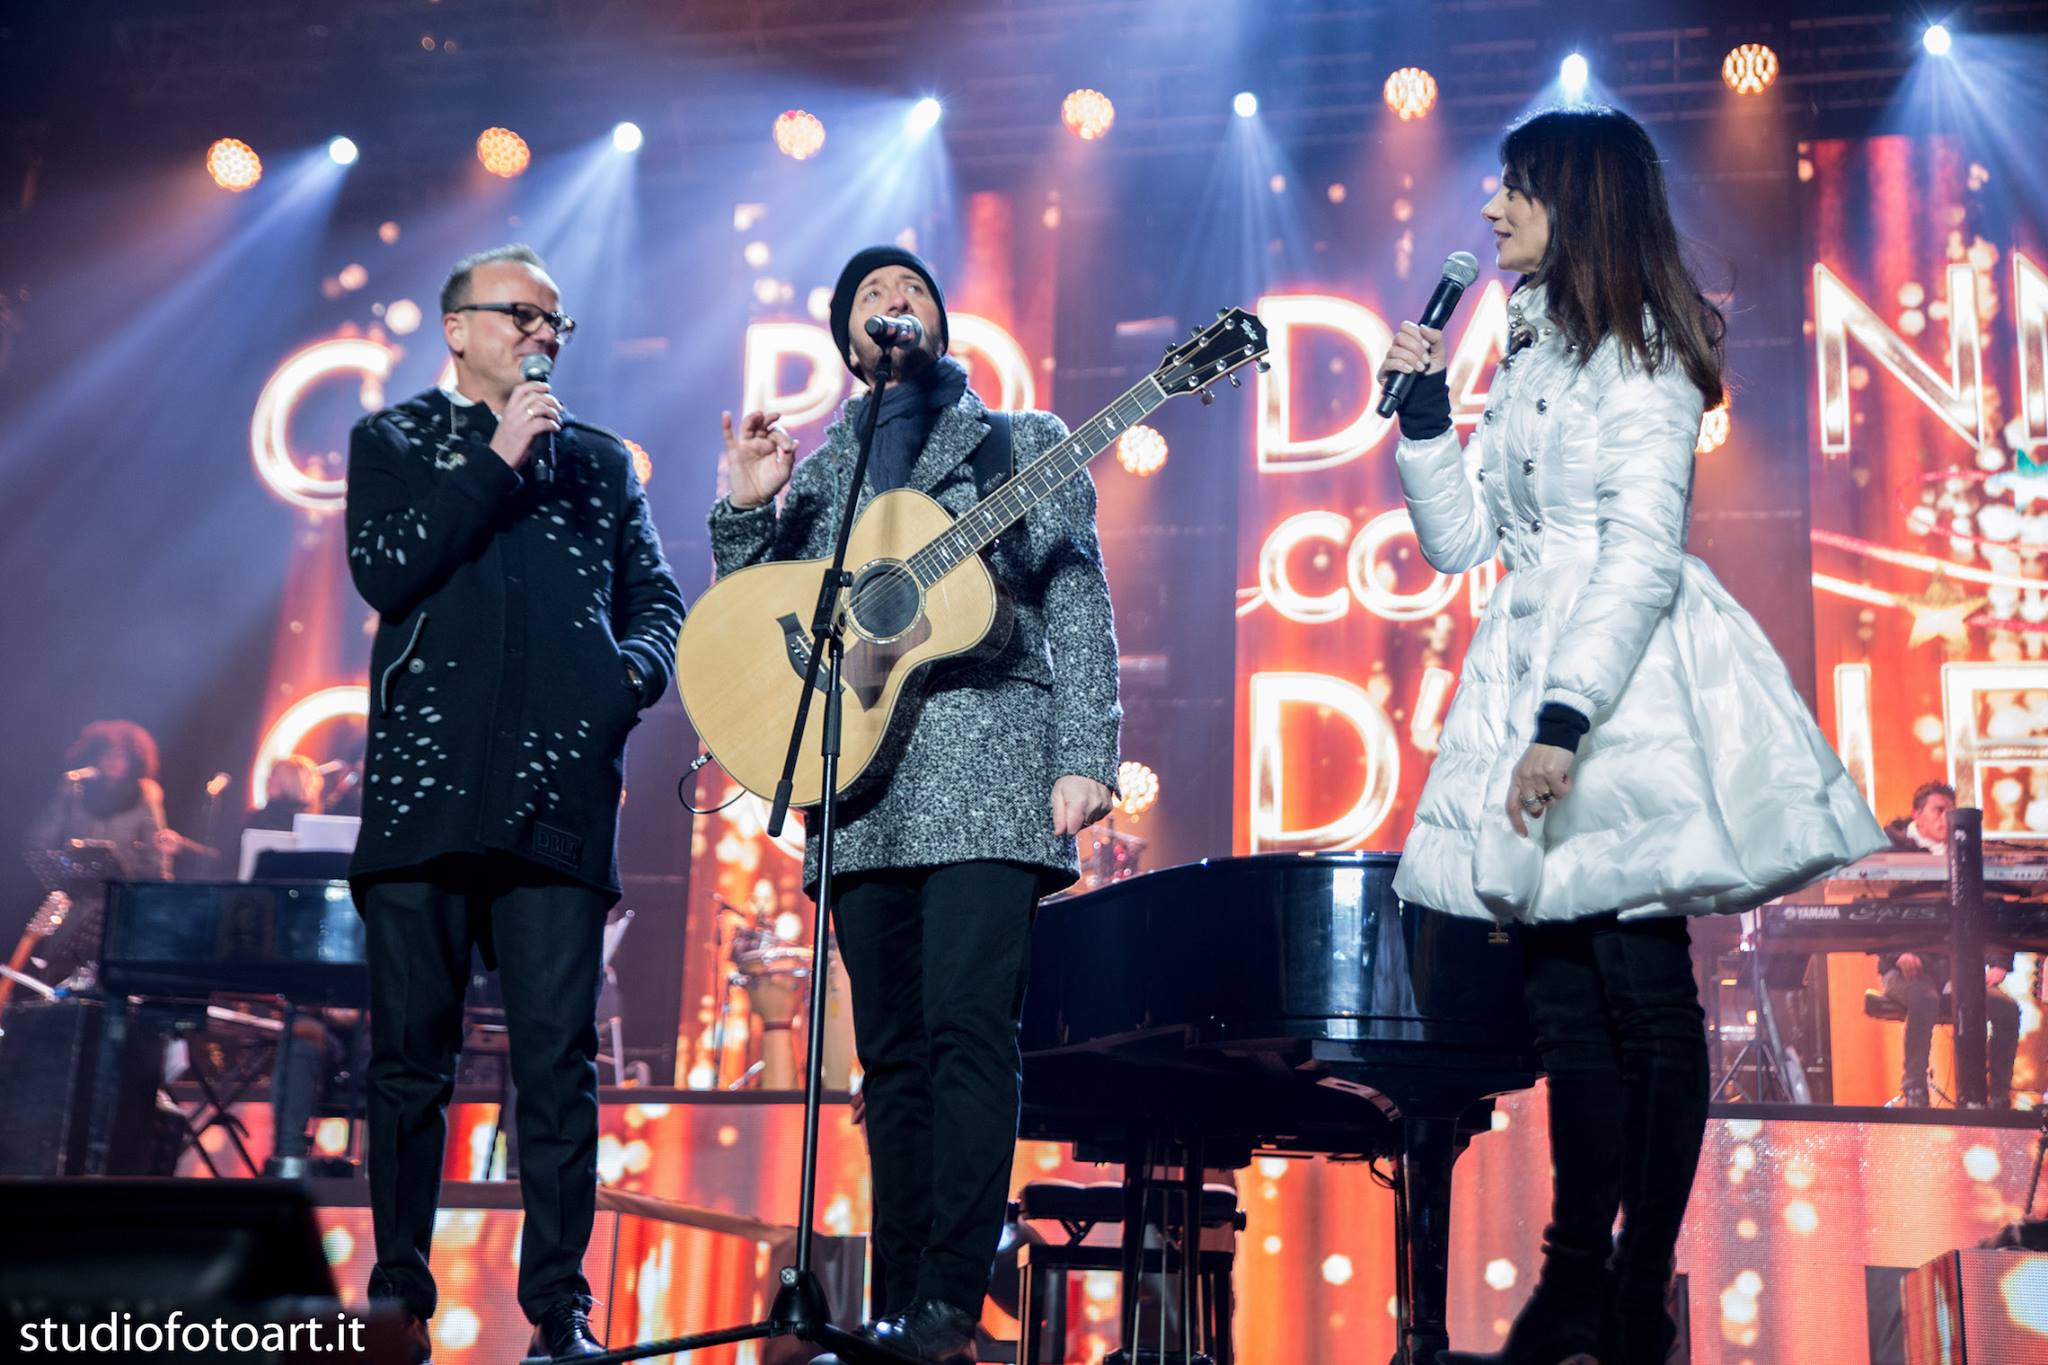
point(1614, 251)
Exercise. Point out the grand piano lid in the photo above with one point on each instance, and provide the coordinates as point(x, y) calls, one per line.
point(1302, 945)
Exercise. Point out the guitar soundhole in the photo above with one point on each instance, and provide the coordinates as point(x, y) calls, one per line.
point(886, 600)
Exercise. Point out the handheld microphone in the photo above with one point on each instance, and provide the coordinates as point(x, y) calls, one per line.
point(537, 369)
point(81, 774)
point(217, 784)
point(1460, 269)
point(889, 332)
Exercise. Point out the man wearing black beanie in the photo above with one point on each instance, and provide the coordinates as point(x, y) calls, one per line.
point(970, 813)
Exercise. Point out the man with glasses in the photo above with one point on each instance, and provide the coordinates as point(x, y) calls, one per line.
point(525, 617)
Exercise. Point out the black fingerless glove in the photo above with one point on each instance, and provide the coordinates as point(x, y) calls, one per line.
point(1427, 412)
point(1561, 726)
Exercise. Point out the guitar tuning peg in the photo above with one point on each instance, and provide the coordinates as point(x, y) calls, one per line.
point(1235, 382)
point(1222, 312)
point(1265, 367)
point(1207, 398)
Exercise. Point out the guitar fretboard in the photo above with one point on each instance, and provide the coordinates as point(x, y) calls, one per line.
point(993, 515)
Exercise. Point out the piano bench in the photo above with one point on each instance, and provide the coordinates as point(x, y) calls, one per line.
point(1043, 1268)
point(1081, 1208)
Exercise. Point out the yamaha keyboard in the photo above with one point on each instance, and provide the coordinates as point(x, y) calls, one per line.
point(1281, 1003)
point(1894, 901)
point(1800, 926)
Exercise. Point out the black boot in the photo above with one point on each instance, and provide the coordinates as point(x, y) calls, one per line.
point(1637, 1328)
point(1561, 1321)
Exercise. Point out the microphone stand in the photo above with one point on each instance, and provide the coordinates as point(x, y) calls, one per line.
point(800, 1309)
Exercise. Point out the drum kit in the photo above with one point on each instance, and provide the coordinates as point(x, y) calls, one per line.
point(773, 971)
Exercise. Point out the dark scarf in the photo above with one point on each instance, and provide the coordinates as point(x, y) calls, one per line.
point(909, 411)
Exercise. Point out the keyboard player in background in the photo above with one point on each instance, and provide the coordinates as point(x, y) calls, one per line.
point(1918, 981)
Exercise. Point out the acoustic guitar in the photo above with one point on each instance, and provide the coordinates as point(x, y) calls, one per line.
point(919, 593)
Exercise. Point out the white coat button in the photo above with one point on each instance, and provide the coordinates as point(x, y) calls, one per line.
point(417, 666)
point(1543, 405)
point(1528, 466)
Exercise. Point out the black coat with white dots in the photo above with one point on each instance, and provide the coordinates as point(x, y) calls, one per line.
point(509, 606)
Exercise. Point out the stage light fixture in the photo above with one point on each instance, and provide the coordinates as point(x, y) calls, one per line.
point(1088, 114)
point(1714, 428)
point(643, 463)
point(1141, 451)
point(1937, 40)
point(798, 134)
point(627, 137)
point(1139, 786)
point(1572, 75)
point(1749, 69)
point(233, 164)
point(923, 116)
point(502, 152)
point(1410, 93)
point(342, 151)
point(1246, 104)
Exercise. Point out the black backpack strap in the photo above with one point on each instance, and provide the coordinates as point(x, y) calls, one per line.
point(995, 460)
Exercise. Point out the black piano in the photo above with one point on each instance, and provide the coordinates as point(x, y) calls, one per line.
point(188, 940)
point(167, 948)
point(1278, 1003)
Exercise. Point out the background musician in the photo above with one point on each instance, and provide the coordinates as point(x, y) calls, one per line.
point(1918, 981)
point(110, 795)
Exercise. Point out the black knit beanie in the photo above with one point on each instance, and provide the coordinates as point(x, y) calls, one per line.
point(864, 264)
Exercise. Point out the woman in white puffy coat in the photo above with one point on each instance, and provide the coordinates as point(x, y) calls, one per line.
point(1624, 749)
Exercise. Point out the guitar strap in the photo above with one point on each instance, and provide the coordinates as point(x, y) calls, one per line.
point(995, 459)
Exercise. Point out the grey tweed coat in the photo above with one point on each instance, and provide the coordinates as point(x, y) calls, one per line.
point(968, 769)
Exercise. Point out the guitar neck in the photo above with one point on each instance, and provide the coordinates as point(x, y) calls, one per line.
point(980, 525)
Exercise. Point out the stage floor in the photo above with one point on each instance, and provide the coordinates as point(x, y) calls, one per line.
point(1801, 1220)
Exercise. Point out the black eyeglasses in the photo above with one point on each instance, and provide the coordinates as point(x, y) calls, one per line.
point(526, 317)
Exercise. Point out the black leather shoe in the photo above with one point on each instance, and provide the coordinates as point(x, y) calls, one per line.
point(564, 1330)
point(930, 1329)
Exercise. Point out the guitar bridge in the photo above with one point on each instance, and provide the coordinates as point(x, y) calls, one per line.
point(797, 645)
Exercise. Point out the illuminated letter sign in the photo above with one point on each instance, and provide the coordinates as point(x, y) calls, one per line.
point(1280, 450)
point(1839, 315)
point(1271, 695)
point(270, 426)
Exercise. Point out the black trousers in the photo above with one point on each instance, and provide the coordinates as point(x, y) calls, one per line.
point(937, 959)
point(548, 937)
point(1622, 1041)
point(1921, 995)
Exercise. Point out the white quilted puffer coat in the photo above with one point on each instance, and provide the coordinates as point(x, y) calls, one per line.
point(1704, 785)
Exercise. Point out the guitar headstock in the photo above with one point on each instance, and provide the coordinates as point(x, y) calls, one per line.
point(1236, 339)
point(49, 916)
